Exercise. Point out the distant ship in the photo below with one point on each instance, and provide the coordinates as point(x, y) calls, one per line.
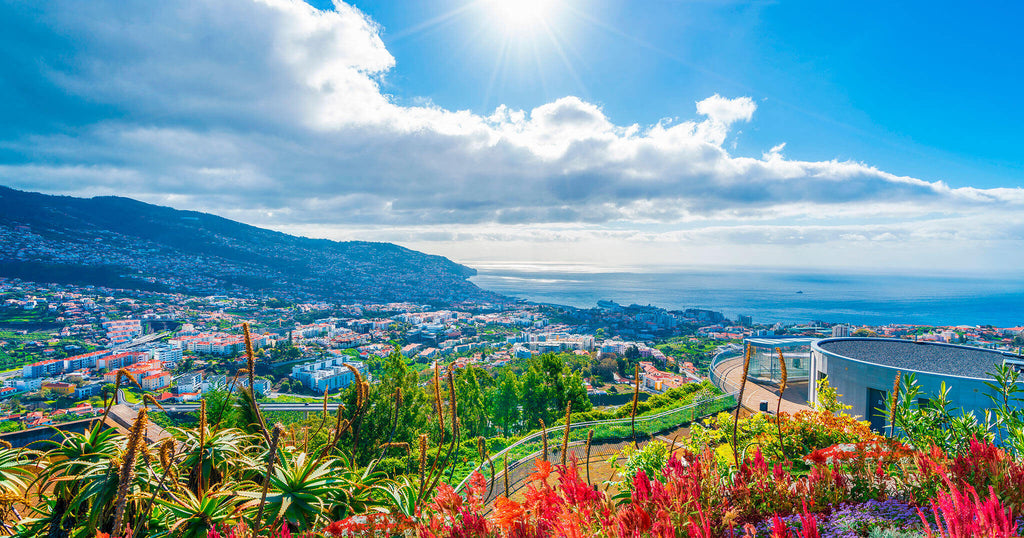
point(799, 291)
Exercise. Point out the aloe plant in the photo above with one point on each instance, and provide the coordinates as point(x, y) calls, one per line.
point(215, 455)
point(186, 515)
point(80, 484)
point(301, 490)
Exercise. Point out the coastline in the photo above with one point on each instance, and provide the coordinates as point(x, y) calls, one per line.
point(770, 296)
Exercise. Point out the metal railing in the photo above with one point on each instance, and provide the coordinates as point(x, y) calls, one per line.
point(719, 380)
point(614, 433)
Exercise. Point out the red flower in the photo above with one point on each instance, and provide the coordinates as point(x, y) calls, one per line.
point(507, 512)
point(779, 529)
point(541, 470)
point(335, 529)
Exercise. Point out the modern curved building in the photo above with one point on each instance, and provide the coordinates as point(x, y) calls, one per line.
point(863, 370)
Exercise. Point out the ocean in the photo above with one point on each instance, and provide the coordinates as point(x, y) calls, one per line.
point(773, 296)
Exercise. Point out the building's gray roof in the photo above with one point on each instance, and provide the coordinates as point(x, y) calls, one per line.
point(931, 357)
point(761, 341)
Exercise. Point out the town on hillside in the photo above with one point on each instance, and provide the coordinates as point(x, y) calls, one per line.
point(62, 345)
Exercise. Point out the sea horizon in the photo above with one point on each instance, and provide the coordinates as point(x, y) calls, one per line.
point(771, 295)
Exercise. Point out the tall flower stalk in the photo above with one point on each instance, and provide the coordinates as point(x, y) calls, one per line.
point(778, 407)
point(544, 438)
point(271, 459)
point(636, 399)
point(565, 437)
point(251, 366)
point(136, 439)
point(894, 403)
point(736, 417)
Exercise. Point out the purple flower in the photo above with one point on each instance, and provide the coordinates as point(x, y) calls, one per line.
point(855, 520)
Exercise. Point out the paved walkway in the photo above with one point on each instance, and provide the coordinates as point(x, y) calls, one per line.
point(122, 418)
point(795, 398)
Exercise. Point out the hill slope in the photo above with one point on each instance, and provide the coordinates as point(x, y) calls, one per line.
point(120, 242)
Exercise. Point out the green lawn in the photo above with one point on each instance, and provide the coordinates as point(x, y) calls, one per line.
point(645, 427)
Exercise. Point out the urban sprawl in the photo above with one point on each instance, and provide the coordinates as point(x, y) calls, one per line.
point(61, 346)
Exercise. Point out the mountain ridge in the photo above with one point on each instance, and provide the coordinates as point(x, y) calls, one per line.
point(200, 253)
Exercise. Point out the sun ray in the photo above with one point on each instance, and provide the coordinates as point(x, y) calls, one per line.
point(565, 59)
point(520, 16)
point(434, 21)
point(540, 70)
point(586, 17)
point(499, 65)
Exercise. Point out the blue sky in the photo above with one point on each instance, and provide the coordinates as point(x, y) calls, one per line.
point(916, 88)
point(865, 136)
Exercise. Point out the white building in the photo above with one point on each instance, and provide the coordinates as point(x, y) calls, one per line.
point(29, 385)
point(168, 354)
point(122, 331)
point(330, 374)
point(840, 331)
point(190, 382)
point(557, 342)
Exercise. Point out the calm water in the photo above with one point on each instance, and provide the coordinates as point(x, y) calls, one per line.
point(773, 296)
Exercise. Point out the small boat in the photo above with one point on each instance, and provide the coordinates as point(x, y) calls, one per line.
point(799, 291)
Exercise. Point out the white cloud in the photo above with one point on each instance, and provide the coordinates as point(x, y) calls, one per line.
point(276, 113)
point(727, 111)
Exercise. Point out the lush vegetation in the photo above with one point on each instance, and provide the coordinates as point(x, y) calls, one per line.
point(699, 351)
point(18, 348)
point(815, 473)
point(382, 465)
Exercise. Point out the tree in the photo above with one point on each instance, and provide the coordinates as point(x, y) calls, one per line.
point(554, 371)
point(605, 369)
point(504, 401)
point(471, 403)
point(535, 398)
point(384, 421)
point(561, 386)
point(576, 393)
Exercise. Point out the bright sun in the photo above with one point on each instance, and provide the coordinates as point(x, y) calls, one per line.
point(521, 15)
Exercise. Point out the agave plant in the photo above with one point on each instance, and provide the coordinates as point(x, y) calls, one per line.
point(401, 496)
point(16, 469)
point(74, 453)
point(361, 490)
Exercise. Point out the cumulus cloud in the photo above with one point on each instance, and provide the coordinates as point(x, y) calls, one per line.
point(727, 111)
point(276, 113)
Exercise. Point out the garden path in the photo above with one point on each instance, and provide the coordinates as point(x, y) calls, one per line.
point(731, 370)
